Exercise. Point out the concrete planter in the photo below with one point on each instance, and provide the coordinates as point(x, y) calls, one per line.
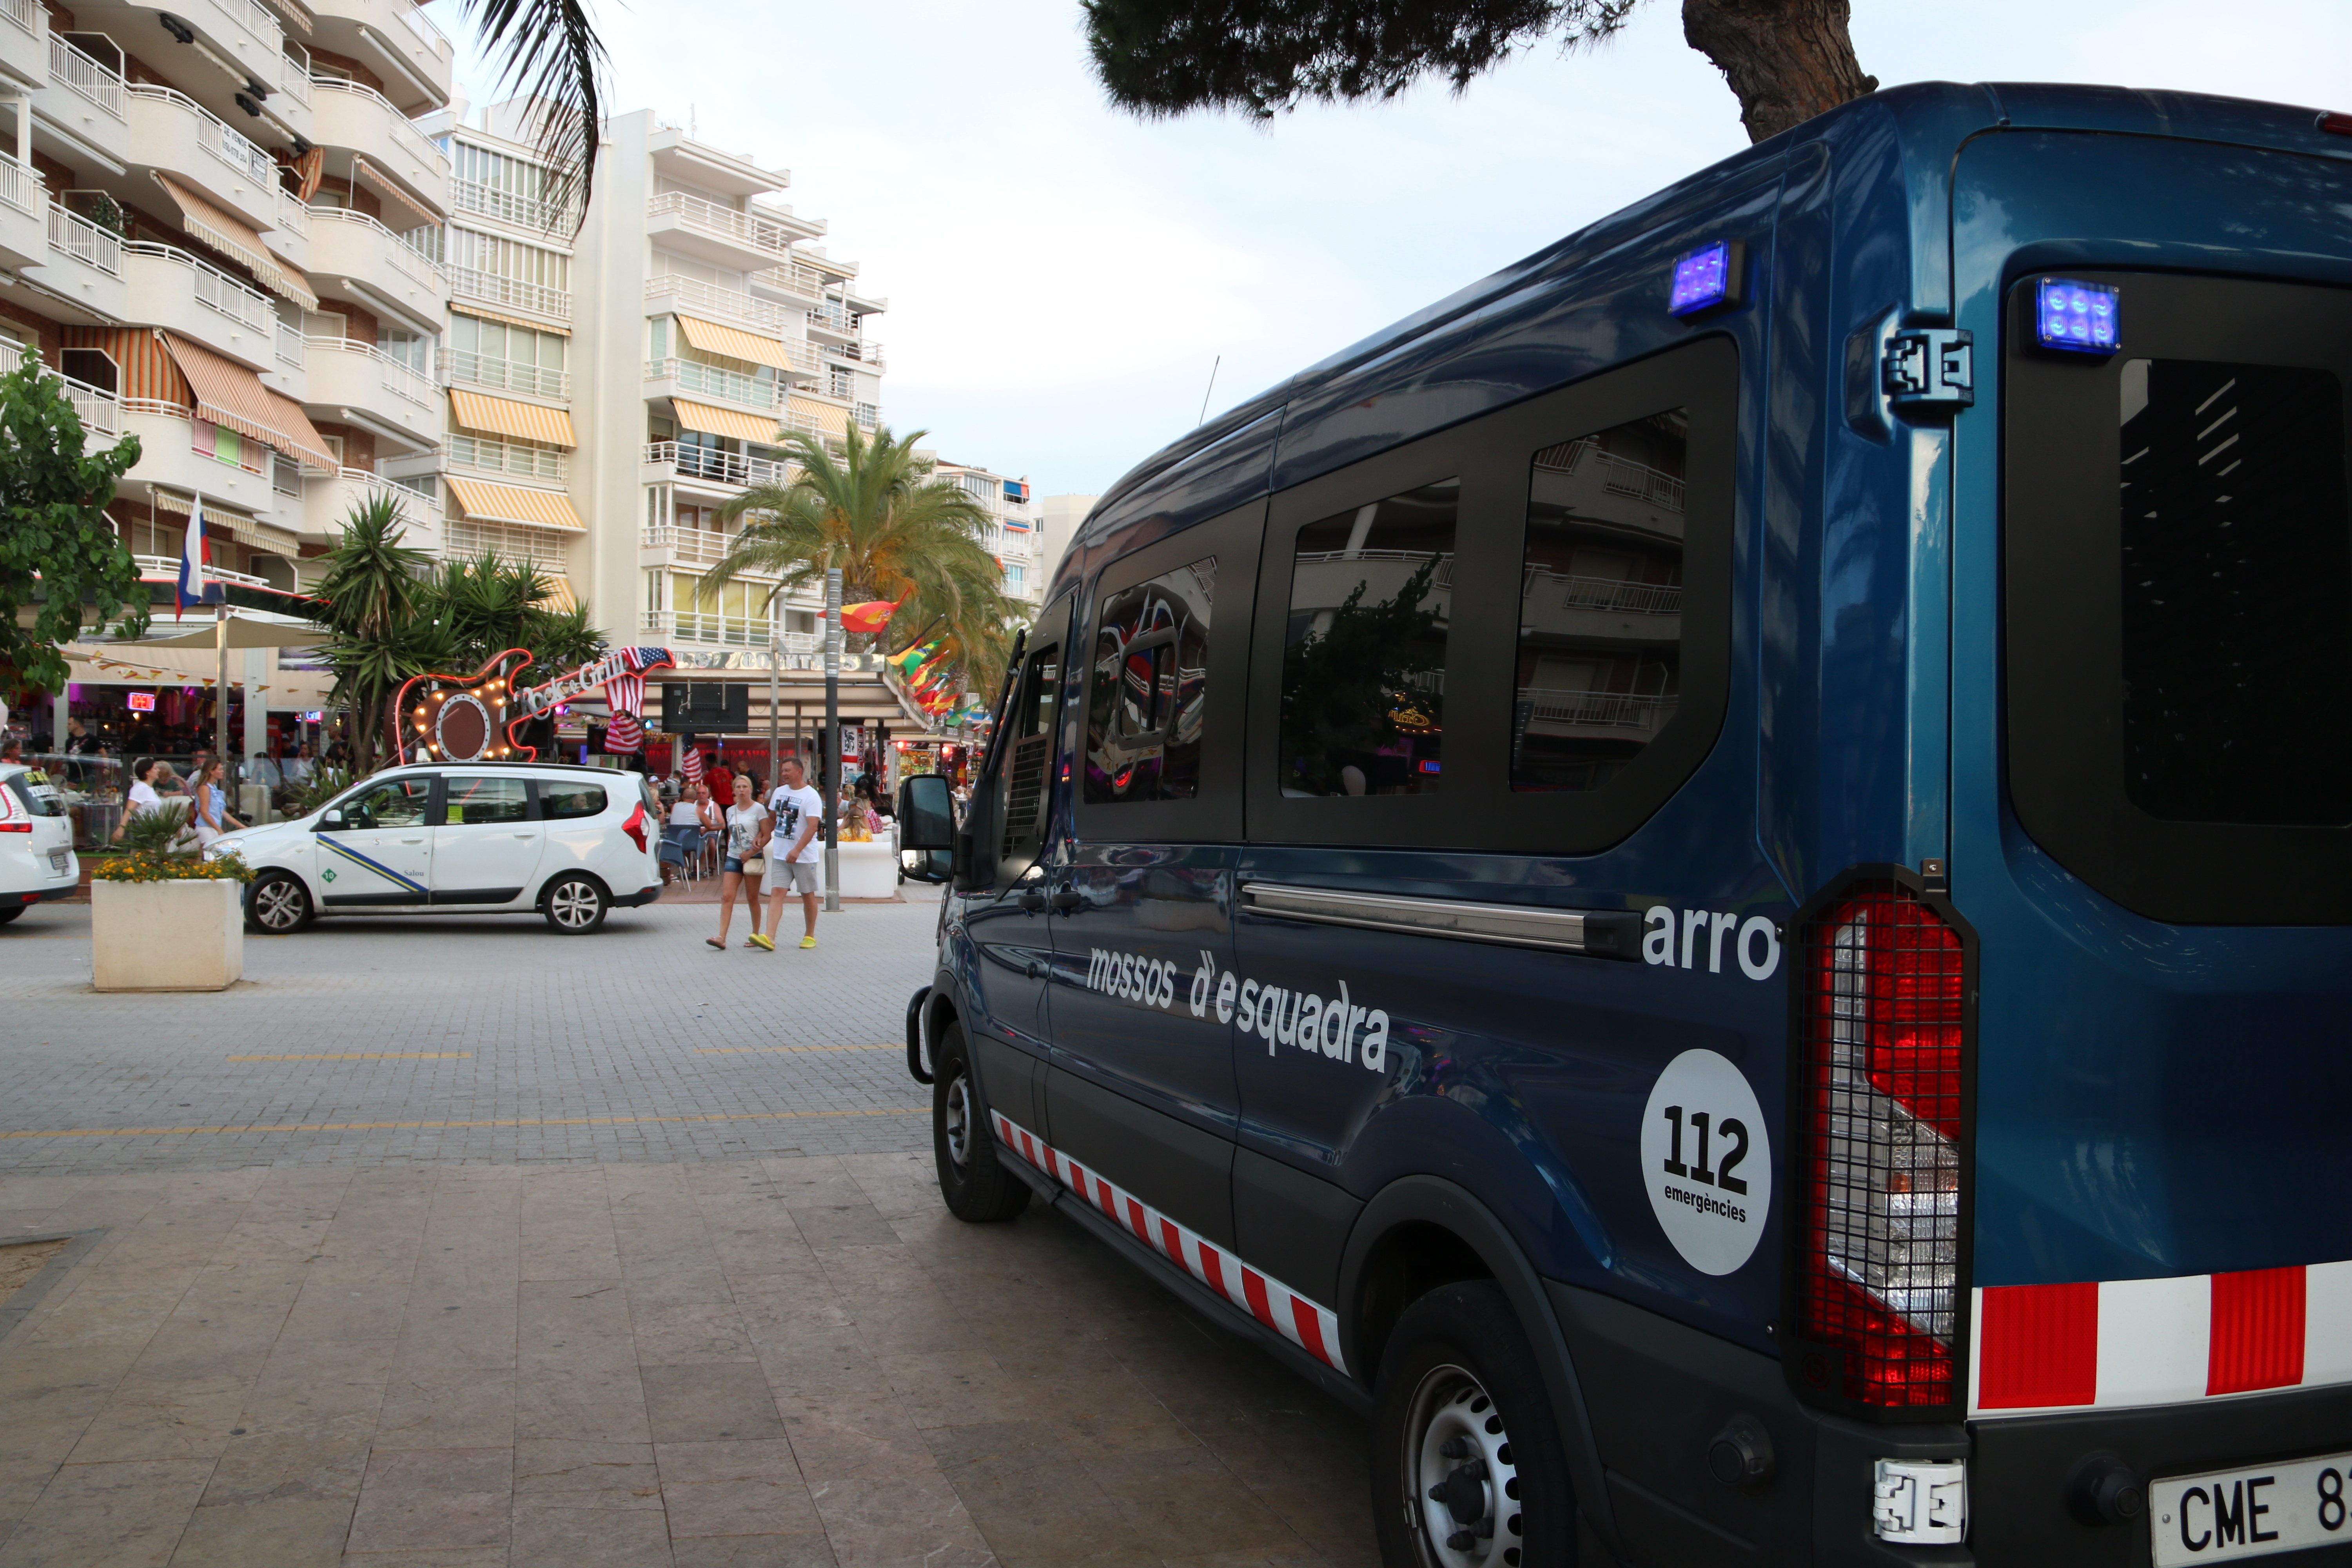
point(869, 871)
point(167, 936)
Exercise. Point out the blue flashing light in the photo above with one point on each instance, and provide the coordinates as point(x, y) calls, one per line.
point(2079, 318)
point(1705, 279)
point(1430, 765)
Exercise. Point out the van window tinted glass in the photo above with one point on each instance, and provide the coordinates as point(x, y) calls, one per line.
point(566, 799)
point(1600, 602)
point(1363, 666)
point(1030, 730)
point(1147, 696)
point(2237, 593)
point(471, 799)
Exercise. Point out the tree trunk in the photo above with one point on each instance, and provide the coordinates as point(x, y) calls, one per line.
point(1787, 60)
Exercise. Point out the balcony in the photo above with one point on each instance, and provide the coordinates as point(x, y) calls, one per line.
point(84, 262)
point(500, 459)
point(795, 278)
point(669, 545)
point(100, 411)
point(471, 283)
point(507, 206)
point(395, 41)
point(348, 379)
point(691, 225)
point(693, 379)
point(328, 501)
point(24, 47)
point(364, 121)
point(24, 215)
point(168, 455)
point(546, 549)
point(669, 462)
point(864, 353)
point(356, 258)
point(84, 96)
point(168, 130)
point(721, 631)
point(461, 367)
point(289, 371)
point(667, 293)
point(173, 290)
point(1611, 714)
point(290, 235)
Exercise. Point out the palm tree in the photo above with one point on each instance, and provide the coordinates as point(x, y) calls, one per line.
point(371, 588)
point(895, 531)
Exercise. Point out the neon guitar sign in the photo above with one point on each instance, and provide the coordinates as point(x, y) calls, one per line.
point(473, 718)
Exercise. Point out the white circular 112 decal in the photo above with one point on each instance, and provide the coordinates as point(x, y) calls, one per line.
point(1707, 1161)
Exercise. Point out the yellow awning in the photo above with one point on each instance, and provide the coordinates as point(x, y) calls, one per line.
point(487, 502)
point(559, 599)
point(479, 315)
point(734, 342)
point(232, 236)
point(823, 415)
point(505, 416)
point(733, 422)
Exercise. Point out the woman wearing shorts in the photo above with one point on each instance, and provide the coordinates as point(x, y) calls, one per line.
point(747, 841)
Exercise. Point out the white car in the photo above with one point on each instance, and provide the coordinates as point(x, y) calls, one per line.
point(37, 854)
point(570, 843)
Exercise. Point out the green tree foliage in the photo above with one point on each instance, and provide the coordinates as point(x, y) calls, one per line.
point(53, 526)
point(1345, 689)
point(1786, 60)
point(895, 532)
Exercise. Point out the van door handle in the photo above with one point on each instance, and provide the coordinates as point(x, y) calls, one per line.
point(1031, 901)
point(1069, 900)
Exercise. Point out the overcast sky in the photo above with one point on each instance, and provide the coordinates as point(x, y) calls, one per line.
point(1062, 278)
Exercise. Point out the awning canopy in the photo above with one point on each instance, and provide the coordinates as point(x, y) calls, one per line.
point(385, 186)
point(734, 422)
point(244, 530)
point(823, 415)
point(232, 235)
point(559, 599)
point(141, 664)
point(505, 416)
point(479, 315)
point(240, 630)
point(734, 342)
point(229, 394)
point(486, 502)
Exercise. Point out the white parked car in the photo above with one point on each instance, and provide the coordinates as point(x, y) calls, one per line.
point(570, 843)
point(37, 854)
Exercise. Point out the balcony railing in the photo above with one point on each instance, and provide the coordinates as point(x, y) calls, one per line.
point(508, 458)
point(415, 505)
point(711, 381)
point(865, 352)
point(408, 384)
point(708, 300)
point(524, 212)
point(94, 79)
point(294, 73)
point(690, 626)
point(21, 186)
point(719, 468)
point(24, 13)
point(791, 277)
point(215, 134)
point(690, 546)
point(474, 284)
point(747, 229)
point(502, 374)
point(1600, 710)
point(292, 216)
point(1609, 594)
point(289, 343)
point(257, 19)
point(405, 257)
point(424, 27)
point(214, 289)
point(536, 547)
point(71, 233)
point(405, 136)
point(98, 409)
point(166, 568)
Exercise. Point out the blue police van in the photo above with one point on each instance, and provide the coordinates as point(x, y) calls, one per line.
point(1715, 877)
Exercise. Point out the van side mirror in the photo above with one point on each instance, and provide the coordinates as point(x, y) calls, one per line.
point(926, 812)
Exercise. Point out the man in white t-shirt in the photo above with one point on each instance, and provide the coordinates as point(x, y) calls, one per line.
point(796, 851)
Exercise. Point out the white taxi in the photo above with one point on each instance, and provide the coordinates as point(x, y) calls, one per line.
point(37, 853)
point(569, 843)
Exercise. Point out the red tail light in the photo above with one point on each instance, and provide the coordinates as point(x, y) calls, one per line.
point(1882, 1054)
point(23, 827)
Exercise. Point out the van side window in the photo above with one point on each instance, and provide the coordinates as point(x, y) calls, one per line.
point(558, 801)
point(1148, 699)
point(1363, 666)
point(1029, 726)
point(1601, 599)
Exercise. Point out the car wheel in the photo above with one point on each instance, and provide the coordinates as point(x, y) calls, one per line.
point(574, 905)
point(12, 912)
point(975, 1182)
point(279, 903)
point(1468, 1470)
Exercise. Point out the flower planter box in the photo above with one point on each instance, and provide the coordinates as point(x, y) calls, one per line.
point(870, 869)
point(167, 936)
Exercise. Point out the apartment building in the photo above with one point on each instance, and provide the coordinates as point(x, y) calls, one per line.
point(202, 223)
point(1013, 533)
point(1058, 518)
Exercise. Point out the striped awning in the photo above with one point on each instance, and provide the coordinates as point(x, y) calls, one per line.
point(734, 342)
point(143, 371)
point(247, 530)
point(823, 415)
point(734, 422)
point(385, 186)
point(480, 314)
point(232, 236)
point(486, 502)
point(296, 15)
point(505, 416)
point(559, 599)
point(227, 394)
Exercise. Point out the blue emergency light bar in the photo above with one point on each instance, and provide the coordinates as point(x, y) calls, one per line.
point(2079, 318)
point(1705, 279)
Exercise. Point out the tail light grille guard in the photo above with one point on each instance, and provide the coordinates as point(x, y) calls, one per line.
point(1882, 1033)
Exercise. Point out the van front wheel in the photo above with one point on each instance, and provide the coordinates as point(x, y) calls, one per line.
point(1468, 1470)
point(976, 1186)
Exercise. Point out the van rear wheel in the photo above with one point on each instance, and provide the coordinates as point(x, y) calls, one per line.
point(975, 1182)
point(1468, 1470)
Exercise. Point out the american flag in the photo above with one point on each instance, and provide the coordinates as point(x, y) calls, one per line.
point(694, 764)
point(640, 660)
point(627, 694)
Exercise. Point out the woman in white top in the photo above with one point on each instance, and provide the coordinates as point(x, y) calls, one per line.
point(142, 798)
point(747, 842)
point(212, 815)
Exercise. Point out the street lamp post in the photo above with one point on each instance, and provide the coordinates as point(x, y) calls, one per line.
point(832, 739)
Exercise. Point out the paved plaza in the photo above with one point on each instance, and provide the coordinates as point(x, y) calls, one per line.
point(500, 1247)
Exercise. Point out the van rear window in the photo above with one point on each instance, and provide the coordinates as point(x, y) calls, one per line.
point(2237, 593)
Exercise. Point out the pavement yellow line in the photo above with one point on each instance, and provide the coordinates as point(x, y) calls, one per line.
point(365, 1057)
point(770, 1050)
point(504, 1121)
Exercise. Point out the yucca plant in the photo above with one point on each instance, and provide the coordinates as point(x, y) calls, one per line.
point(158, 847)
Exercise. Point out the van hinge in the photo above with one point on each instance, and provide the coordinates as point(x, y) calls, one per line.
point(1929, 368)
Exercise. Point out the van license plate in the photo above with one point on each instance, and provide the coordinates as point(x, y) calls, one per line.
point(2221, 1517)
point(58, 860)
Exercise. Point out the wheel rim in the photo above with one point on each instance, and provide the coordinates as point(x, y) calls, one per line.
point(959, 1120)
point(574, 905)
point(1460, 1482)
point(277, 905)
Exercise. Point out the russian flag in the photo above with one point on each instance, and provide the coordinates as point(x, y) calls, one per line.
point(195, 587)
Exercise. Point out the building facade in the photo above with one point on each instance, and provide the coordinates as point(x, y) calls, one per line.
point(1011, 534)
point(1058, 518)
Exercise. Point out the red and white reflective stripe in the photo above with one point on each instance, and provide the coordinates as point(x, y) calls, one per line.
point(1312, 1328)
point(2124, 1343)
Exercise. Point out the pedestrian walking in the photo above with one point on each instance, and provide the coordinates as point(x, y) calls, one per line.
point(747, 841)
point(142, 797)
point(798, 813)
point(213, 815)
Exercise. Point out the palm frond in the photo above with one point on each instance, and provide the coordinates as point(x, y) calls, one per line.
point(548, 48)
